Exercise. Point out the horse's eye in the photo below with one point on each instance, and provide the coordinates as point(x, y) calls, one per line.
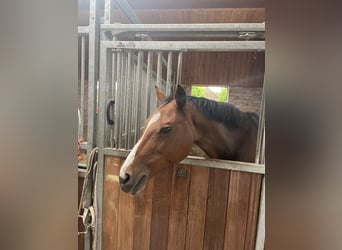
point(165, 130)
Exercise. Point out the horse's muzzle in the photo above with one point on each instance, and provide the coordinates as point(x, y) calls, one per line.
point(128, 185)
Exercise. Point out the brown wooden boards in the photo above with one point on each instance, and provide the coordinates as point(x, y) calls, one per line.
point(208, 208)
point(161, 209)
point(216, 209)
point(110, 210)
point(178, 206)
point(198, 192)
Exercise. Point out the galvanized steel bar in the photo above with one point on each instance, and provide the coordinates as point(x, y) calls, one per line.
point(169, 73)
point(148, 81)
point(260, 126)
point(129, 98)
point(179, 67)
point(107, 11)
point(119, 98)
point(82, 84)
point(139, 95)
point(193, 27)
point(82, 30)
point(125, 82)
point(113, 90)
point(159, 69)
point(92, 74)
point(190, 45)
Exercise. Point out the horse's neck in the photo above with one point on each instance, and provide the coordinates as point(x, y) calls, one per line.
point(216, 139)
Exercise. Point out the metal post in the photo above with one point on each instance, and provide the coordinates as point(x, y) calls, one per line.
point(82, 83)
point(260, 126)
point(124, 66)
point(138, 98)
point(148, 81)
point(179, 67)
point(119, 101)
point(159, 69)
point(107, 11)
point(93, 73)
point(169, 73)
point(129, 99)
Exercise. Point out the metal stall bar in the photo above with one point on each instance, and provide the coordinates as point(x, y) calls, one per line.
point(105, 66)
point(148, 82)
point(93, 73)
point(179, 67)
point(138, 98)
point(113, 98)
point(193, 27)
point(124, 82)
point(83, 30)
point(169, 73)
point(190, 45)
point(119, 103)
point(261, 127)
point(107, 11)
point(82, 83)
point(159, 70)
point(129, 98)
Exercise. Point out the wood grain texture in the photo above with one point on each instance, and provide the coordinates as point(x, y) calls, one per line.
point(237, 211)
point(253, 211)
point(126, 220)
point(161, 209)
point(178, 208)
point(198, 193)
point(142, 217)
point(110, 209)
point(216, 209)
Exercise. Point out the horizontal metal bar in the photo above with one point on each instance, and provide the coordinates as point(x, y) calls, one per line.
point(83, 30)
point(204, 162)
point(197, 27)
point(188, 45)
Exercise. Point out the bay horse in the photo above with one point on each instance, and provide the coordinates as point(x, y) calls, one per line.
point(221, 130)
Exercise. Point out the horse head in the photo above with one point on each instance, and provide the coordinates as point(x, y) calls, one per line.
point(167, 138)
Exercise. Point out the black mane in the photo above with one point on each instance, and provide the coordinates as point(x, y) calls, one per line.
point(221, 112)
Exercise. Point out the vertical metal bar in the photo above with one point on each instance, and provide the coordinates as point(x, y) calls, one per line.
point(107, 95)
point(82, 83)
point(179, 67)
point(159, 69)
point(113, 96)
point(260, 238)
point(129, 99)
point(260, 126)
point(119, 100)
point(124, 62)
point(148, 81)
point(169, 73)
point(138, 96)
point(92, 73)
point(107, 11)
point(92, 94)
point(105, 57)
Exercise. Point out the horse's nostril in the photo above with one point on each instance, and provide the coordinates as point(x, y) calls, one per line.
point(124, 180)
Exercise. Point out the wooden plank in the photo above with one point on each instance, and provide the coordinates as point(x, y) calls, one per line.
point(142, 217)
point(216, 209)
point(253, 211)
point(178, 207)
point(161, 209)
point(126, 221)
point(111, 192)
point(198, 193)
point(237, 211)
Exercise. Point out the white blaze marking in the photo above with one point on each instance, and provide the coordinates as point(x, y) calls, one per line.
point(131, 155)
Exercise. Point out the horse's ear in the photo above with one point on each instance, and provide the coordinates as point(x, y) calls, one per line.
point(180, 97)
point(160, 95)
